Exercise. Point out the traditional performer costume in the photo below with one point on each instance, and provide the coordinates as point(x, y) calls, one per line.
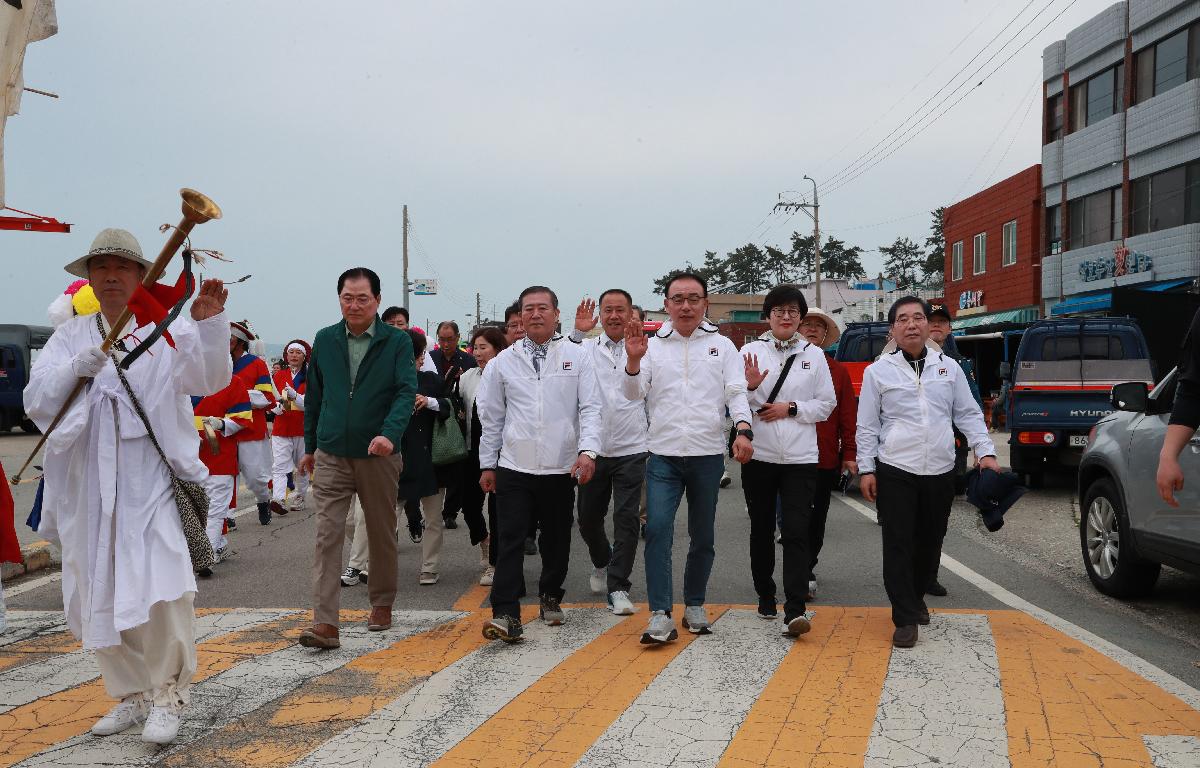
point(127, 578)
point(287, 431)
point(254, 449)
point(224, 414)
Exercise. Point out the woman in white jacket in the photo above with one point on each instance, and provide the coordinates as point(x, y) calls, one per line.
point(784, 466)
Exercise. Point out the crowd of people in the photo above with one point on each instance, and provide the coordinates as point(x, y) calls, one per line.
point(526, 435)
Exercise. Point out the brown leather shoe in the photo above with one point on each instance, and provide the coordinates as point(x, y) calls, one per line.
point(905, 637)
point(381, 618)
point(321, 636)
point(278, 508)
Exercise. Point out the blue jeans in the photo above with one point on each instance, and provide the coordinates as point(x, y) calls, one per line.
point(668, 478)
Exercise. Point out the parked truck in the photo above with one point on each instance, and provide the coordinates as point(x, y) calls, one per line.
point(18, 346)
point(1059, 387)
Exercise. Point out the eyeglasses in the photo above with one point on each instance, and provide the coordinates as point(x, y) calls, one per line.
point(359, 301)
point(693, 299)
point(784, 312)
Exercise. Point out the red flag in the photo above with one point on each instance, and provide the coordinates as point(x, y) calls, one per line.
point(10, 548)
point(152, 305)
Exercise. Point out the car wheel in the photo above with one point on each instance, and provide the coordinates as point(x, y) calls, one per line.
point(1104, 536)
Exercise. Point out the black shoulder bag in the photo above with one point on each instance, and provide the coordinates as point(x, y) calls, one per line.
point(787, 366)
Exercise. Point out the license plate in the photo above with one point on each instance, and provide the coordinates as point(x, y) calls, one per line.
point(1079, 441)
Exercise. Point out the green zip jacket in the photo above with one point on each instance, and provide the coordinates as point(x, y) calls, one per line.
point(343, 417)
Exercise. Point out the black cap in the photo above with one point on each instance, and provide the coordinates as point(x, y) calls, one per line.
point(940, 309)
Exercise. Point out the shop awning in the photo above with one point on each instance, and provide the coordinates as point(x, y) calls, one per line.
point(1027, 315)
point(1092, 302)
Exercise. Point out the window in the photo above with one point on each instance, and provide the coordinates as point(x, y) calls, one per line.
point(1053, 230)
point(1093, 219)
point(1098, 97)
point(1008, 244)
point(1054, 118)
point(956, 261)
point(1166, 64)
point(979, 254)
point(1166, 199)
point(1082, 347)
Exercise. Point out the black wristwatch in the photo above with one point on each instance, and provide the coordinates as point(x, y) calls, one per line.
point(747, 433)
point(792, 409)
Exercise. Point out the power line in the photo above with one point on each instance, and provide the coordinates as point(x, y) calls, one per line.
point(999, 134)
point(835, 177)
point(922, 128)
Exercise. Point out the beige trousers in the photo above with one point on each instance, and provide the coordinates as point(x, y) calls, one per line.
point(435, 526)
point(157, 658)
point(335, 482)
point(356, 529)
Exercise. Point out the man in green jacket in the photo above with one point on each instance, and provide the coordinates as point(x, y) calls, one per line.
point(361, 390)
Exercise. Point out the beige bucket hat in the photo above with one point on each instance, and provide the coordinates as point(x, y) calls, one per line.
point(110, 242)
point(833, 333)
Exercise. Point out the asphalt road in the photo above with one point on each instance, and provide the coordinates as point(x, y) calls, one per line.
point(1036, 556)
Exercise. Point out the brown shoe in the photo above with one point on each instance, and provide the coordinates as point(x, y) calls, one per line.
point(278, 508)
point(322, 636)
point(905, 637)
point(381, 618)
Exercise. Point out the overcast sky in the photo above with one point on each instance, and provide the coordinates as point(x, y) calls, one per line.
point(579, 145)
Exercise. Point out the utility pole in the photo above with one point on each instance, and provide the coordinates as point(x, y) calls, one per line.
point(815, 215)
point(478, 309)
point(405, 230)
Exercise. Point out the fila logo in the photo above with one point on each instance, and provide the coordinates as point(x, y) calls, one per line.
point(713, 351)
point(941, 371)
point(805, 364)
point(566, 365)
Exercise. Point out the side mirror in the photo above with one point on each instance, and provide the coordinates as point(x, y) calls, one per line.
point(1130, 396)
point(1005, 370)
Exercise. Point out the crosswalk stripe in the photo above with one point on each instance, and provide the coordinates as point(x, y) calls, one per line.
point(438, 713)
point(556, 719)
point(823, 697)
point(23, 625)
point(1066, 702)
point(941, 704)
point(1173, 751)
point(689, 713)
point(238, 691)
point(290, 728)
point(48, 720)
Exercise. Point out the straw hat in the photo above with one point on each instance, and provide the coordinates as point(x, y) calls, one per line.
point(110, 242)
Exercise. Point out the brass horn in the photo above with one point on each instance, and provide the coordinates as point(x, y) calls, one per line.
point(197, 209)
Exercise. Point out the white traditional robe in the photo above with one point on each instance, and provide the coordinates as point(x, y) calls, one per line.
point(108, 500)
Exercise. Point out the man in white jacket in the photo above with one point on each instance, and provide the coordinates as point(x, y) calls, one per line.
point(688, 374)
point(127, 579)
point(539, 410)
point(911, 399)
point(784, 468)
point(621, 466)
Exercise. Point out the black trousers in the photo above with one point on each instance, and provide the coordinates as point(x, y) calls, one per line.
point(827, 480)
point(914, 511)
point(549, 500)
point(618, 479)
point(453, 503)
point(472, 500)
point(793, 485)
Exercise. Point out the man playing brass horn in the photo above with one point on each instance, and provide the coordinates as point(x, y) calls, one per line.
point(127, 579)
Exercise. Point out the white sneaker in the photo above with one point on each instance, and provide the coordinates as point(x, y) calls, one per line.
point(219, 554)
point(489, 573)
point(296, 504)
point(619, 604)
point(484, 552)
point(812, 590)
point(162, 725)
point(428, 579)
point(661, 629)
point(799, 625)
point(599, 580)
point(131, 711)
point(695, 620)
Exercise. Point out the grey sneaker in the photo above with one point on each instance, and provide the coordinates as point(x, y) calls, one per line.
point(551, 611)
point(352, 577)
point(220, 554)
point(695, 620)
point(799, 625)
point(812, 589)
point(661, 629)
point(598, 580)
point(506, 628)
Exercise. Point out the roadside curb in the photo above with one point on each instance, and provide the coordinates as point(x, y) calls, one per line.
point(36, 557)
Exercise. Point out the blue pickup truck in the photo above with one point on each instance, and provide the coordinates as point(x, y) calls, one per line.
point(1059, 387)
point(18, 343)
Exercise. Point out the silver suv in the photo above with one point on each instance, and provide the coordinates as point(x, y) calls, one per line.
point(1126, 530)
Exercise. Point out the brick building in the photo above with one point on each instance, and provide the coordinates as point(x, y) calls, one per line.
point(1121, 156)
point(993, 252)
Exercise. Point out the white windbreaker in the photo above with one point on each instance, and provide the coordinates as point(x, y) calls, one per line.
point(538, 423)
point(907, 423)
point(808, 385)
point(623, 426)
point(687, 384)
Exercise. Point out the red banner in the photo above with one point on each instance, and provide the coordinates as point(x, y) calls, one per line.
point(10, 548)
point(151, 305)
